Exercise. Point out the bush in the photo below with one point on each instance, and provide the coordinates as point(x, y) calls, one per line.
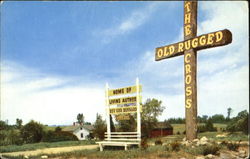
point(207, 127)
point(32, 132)
point(10, 137)
point(213, 149)
point(99, 127)
point(54, 136)
point(144, 144)
point(58, 128)
point(3, 125)
point(239, 123)
point(175, 146)
point(233, 146)
point(203, 150)
point(158, 142)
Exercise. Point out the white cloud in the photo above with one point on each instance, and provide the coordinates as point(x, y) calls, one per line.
point(30, 95)
point(222, 72)
point(222, 76)
point(132, 22)
point(228, 88)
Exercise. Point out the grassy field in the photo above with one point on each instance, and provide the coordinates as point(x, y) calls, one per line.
point(150, 152)
point(181, 127)
point(52, 128)
point(41, 145)
point(157, 151)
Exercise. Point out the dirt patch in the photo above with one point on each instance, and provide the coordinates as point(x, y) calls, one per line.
point(50, 150)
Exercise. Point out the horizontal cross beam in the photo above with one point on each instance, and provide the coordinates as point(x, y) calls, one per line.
point(214, 39)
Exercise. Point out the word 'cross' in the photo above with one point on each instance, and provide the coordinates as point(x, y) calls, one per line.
point(189, 47)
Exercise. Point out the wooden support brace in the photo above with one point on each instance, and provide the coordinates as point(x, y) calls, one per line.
point(101, 148)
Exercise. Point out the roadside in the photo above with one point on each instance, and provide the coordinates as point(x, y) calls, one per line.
point(50, 150)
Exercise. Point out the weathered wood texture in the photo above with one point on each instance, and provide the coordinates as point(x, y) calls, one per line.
point(190, 62)
point(210, 40)
point(189, 48)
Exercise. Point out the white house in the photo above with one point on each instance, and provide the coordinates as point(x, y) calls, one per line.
point(80, 131)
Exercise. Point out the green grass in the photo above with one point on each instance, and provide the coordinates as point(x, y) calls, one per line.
point(52, 128)
point(237, 136)
point(41, 145)
point(178, 128)
point(181, 127)
point(151, 152)
point(95, 153)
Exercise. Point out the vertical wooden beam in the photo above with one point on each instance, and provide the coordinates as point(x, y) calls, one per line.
point(190, 64)
point(107, 110)
point(138, 109)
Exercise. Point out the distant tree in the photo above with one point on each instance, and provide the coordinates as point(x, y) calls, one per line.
point(58, 128)
point(3, 125)
point(218, 118)
point(239, 123)
point(87, 123)
point(151, 110)
point(229, 111)
point(80, 118)
point(207, 127)
point(32, 132)
point(176, 120)
point(127, 125)
point(204, 118)
point(19, 123)
point(99, 127)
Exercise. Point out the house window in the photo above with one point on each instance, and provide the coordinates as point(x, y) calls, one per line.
point(80, 128)
point(81, 135)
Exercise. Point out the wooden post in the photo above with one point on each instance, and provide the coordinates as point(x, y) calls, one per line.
point(138, 109)
point(107, 111)
point(189, 48)
point(190, 62)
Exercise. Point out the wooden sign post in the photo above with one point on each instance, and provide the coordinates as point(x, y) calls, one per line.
point(128, 105)
point(189, 48)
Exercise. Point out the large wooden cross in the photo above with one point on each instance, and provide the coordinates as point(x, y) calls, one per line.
point(191, 44)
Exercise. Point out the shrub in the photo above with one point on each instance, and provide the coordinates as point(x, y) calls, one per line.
point(144, 144)
point(32, 132)
point(178, 133)
point(10, 137)
point(175, 146)
point(158, 142)
point(15, 137)
point(203, 150)
point(213, 149)
point(233, 146)
point(54, 136)
point(224, 143)
point(99, 127)
point(58, 128)
point(207, 127)
point(239, 123)
point(4, 126)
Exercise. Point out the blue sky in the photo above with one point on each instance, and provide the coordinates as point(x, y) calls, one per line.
point(57, 56)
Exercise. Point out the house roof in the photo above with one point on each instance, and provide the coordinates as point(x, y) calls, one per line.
point(72, 128)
